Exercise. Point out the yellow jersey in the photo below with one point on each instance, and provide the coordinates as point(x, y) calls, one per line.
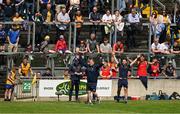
point(25, 69)
point(11, 78)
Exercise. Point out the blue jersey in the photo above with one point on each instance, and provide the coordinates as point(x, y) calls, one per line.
point(123, 70)
point(13, 36)
point(3, 36)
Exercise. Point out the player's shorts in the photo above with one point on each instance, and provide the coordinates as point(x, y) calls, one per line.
point(122, 83)
point(91, 87)
point(8, 86)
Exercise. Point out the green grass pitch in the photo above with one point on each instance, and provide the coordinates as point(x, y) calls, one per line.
point(105, 107)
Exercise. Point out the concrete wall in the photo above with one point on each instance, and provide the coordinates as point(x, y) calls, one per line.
point(154, 85)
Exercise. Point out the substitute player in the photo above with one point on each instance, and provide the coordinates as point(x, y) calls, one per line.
point(10, 82)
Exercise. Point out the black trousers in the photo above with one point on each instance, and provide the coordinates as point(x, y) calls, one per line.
point(144, 81)
point(74, 83)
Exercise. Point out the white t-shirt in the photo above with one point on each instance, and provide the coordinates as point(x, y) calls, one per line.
point(164, 47)
point(106, 17)
point(158, 46)
point(117, 19)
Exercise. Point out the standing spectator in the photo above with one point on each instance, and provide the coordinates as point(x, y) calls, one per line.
point(153, 21)
point(105, 71)
point(92, 44)
point(38, 18)
point(2, 39)
point(134, 20)
point(105, 47)
point(154, 68)
point(64, 19)
point(61, 45)
point(107, 20)
point(10, 82)
point(175, 49)
point(25, 68)
point(95, 18)
point(9, 10)
point(18, 18)
point(160, 27)
point(13, 39)
point(2, 14)
point(29, 4)
point(66, 74)
point(113, 66)
point(48, 73)
point(19, 5)
point(156, 46)
point(79, 21)
point(118, 47)
point(121, 5)
point(74, 6)
point(119, 24)
point(169, 70)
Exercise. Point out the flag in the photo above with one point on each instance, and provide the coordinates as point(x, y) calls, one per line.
point(34, 79)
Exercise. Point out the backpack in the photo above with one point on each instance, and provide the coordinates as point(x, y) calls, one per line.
point(163, 96)
point(174, 95)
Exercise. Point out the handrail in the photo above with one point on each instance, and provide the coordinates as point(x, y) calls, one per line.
point(161, 4)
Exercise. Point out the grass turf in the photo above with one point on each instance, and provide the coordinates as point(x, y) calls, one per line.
point(108, 107)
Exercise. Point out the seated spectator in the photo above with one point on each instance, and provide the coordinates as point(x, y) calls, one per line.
point(113, 65)
point(48, 73)
point(134, 20)
point(44, 44)
point(2, 39)
point(105, 47)
point(169, 70)
point(29, 4)
point(154, 68)
point(9, 10)
point(25, 68)
point(175, 49)
point(18, 18)
point(92, 44)
point(61, 45)
point(165, 48)
point(82, 49)
point(38, 18)
point(64, 19)
point(156, 46)
point(13, 39)
point(105, 71)
point(79, 22)
point(48, 13)
point(119, 24)
point(118, 47)
point(107, 20)
point(95, 18)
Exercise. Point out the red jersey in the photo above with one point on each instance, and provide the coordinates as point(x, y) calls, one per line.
point(155, 70)
point(60, 45)
point(105, 72)
point(142, 69)
point(117, 47)
point(114, 71)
